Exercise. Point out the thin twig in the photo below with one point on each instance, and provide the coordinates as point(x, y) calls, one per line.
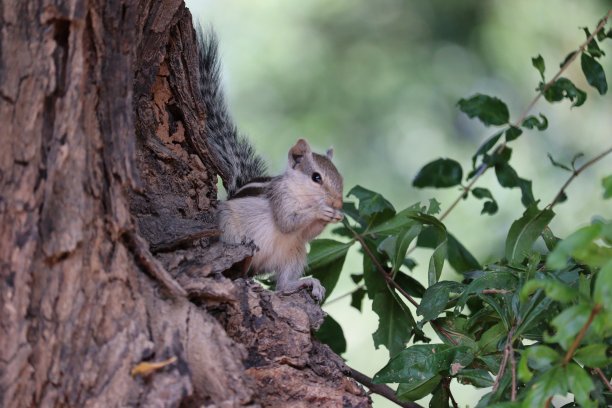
point(495, 291)
point(391, 282)
point(446, 384)
point(347, 294)
point(570, 352)
point(603, 378)
point(513, 368)
point(504, 362)
point(380, 389)
point(484, 166)
point(575, 174)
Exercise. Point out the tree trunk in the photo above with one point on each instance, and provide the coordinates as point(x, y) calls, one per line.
point(111, 291)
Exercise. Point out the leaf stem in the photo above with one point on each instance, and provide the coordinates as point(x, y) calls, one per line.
point(484, 166)
point(347, 294)
point(575, 174)
point(603, 378)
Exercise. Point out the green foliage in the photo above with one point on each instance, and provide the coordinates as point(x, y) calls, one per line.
point(531, 325)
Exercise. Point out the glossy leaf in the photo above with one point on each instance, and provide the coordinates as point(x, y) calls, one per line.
point(395, 322)
point(490, 280)
point(552, 382)
point(602, 294)
point(490, 207)
point(524, 232)
point(594, 73)
point(331, 333)
point(412, 286)
point(440, 173)
point(479, 378)
point(490, 110)
point(436, 298)
point(416, 388)
point(423, 361)
point(592, 46)
point(372, 204)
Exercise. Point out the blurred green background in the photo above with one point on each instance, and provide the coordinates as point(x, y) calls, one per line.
point(380, 80)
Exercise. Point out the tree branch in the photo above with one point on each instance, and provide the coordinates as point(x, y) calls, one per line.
point(484, 166)
point(575, 174)
point(380, 389)
point(580, 336)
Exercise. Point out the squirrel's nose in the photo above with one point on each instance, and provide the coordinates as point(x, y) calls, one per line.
point(337, 203)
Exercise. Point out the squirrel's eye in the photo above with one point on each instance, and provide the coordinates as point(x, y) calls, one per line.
point(316, 177)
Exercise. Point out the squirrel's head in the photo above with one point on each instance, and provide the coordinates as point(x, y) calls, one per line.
point(315, 174)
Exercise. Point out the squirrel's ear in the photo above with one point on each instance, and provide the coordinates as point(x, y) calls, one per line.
point(298, 151)
point(330, 153)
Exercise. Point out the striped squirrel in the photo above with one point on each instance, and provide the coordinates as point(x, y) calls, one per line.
point(281, 214)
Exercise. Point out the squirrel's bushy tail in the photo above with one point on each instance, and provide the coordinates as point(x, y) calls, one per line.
point(235, 156)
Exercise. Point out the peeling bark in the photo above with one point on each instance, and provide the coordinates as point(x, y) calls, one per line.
point(108, 255)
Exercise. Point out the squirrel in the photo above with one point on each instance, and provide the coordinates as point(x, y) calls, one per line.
point(280, 214)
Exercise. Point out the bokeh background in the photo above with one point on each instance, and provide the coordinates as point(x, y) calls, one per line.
point(379, 80)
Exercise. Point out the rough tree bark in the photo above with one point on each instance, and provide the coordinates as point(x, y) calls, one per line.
point(107, 252)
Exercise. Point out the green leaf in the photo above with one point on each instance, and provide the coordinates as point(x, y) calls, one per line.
point(454, 332)
point(603, 286)
point(524, 232)
point(538, 63)
point(331, 333)
point(440, 173)
point(532, 122)
point(508, 178)
point(436, 262)
point(402, 242)
point(395, 224)
point(417, 388)
point(490, 339)
point(592, 46)
point(557, 164)
point(567, 58)
point(594, 73)
point(485, 147)
point(423, 361)
point(440, 398)
point(490, 110)
point(606, 182)
point(537, 357)
point(576, 244)
point(552, 382)
point(372, 204)
point(478, 377)
point(490, 280)
point(357, 298)
point(412, 286)
point(436, 298)
point(564, 88)
point(434, 207)
point(395, 323)
point(512, 133)
point(580, 384)
point(593, 355)
point(554, 289)
point(568, 323)
point(373, 280)
point(325, 261)
point(490, 207)
point(459, 257)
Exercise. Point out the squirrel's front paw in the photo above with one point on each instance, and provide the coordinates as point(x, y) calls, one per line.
point(329, 214)
point(316, 289)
